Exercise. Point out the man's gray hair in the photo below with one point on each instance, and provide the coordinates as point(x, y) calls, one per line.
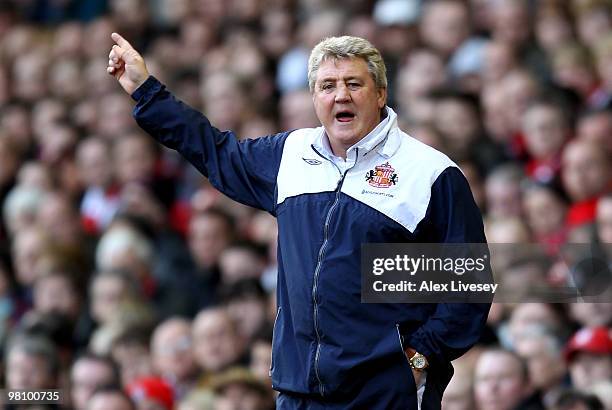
point(36, 346)
point(347, 47)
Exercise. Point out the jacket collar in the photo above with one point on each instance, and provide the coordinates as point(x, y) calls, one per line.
point(383, 139)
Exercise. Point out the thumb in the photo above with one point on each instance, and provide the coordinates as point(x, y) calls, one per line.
point(127, 55)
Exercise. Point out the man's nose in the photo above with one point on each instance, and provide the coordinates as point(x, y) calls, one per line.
point(342, 94)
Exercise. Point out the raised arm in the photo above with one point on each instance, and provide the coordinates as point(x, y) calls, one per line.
point(243, 170)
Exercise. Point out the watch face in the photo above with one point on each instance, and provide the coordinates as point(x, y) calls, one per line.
point(419, 362)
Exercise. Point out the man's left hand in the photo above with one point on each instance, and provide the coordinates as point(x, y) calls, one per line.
point(418, 377)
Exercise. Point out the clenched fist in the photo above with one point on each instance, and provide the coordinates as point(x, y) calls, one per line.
point(126, 64)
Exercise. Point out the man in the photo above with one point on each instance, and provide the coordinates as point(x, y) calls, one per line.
point(172, 354)
point(238, 389)
point(217, 342)
point(542, 352)
point(589, 356)
point(90, 372)
point(330, 350)
point(111, 397)
point(586, 174)
point(501, 381)
point(31, 363)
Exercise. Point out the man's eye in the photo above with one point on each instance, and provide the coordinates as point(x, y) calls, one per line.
point(354, 85)
point(326, 87)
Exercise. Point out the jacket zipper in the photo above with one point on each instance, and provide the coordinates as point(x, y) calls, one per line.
point(273, 334)
point(401, 343)
point(318, 269)
point(316, 278)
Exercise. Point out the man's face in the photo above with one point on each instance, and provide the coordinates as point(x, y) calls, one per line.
point(107, 293)
point(597, 129)
point(94, 163)
point(237, 396)
point(591, 314)
point(544, 131)
point(208, 237)
point(172, 352)
point(589, 368)
point(544, 362)
point(503, 198)
point(26, 371)
point(135, 160)
point(249, 313)
point(445, 26)
point(347, 101)
point(109, 400)
point(508, 22)
point(458, 122)
point(544, 211)
point(134, 361)
point(55, 293)
point(60, 220)
point(526, 315)
point(585, 171)
point(498, 382)
point(27, 249)
point(87, 375)
point(215, 342)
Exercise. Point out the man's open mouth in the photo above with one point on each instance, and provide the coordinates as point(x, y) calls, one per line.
point(345, 116)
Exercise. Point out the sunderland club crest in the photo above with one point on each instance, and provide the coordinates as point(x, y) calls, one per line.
point(382, 176)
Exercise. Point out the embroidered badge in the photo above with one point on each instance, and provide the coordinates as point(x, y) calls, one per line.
point(312, 161)
point(382, 176)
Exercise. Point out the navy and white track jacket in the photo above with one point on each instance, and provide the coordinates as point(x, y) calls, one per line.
point(326, 342)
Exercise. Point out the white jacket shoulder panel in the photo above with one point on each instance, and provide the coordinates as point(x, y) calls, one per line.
point(302, 171)
point(399, 186)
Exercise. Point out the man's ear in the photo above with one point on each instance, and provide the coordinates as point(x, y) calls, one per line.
point(382, 97)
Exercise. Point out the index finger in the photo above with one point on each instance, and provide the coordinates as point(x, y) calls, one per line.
point(123, 43)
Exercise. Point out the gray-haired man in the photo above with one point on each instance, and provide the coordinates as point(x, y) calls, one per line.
point(357, 179)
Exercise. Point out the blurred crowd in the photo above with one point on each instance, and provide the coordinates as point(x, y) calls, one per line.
point(128, 282)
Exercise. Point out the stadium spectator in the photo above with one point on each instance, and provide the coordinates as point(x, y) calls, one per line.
point(88, 373)
point(100, 199)
point(237, 388)
point(172, 354)
point(543, 353)
point(216, 342)
point(31, 363)
point(589, 356)
point(110, 397)
point(545, 132)
point(501, 381)
point(586, 176)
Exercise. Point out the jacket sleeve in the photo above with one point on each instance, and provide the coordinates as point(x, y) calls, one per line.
point(243, 170)
point(452, 217)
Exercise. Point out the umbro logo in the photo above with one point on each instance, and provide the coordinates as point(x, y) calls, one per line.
point(312, 161)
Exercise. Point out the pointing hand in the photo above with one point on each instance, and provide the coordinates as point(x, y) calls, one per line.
point(126, 64)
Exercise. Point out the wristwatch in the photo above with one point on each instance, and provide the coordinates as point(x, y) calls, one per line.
point(416, 360)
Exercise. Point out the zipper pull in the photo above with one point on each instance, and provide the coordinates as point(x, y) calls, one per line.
point(340, 181)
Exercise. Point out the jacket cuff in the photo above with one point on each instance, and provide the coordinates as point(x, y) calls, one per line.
point(418, 341)
point(147, 89)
